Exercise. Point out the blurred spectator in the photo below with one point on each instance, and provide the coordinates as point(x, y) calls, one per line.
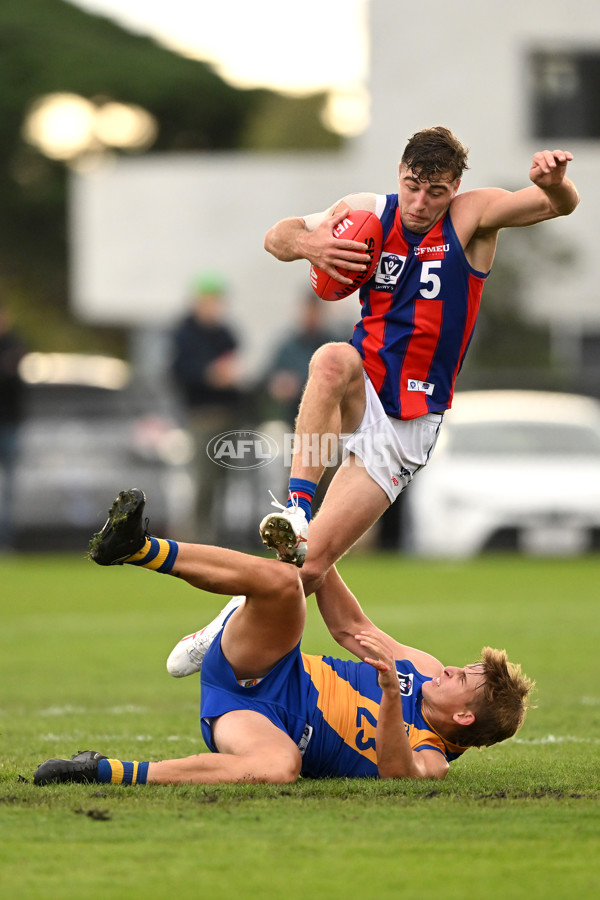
point(287, 373)
point(206, 371)
point(12, 350)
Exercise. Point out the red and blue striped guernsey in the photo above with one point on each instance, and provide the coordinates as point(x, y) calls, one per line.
point(418, 315)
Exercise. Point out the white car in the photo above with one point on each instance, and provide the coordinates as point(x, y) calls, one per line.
point(512, 470)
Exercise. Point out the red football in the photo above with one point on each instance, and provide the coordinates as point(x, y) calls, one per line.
point(358, 225)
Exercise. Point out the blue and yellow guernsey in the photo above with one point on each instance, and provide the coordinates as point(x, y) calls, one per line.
point(329, 707)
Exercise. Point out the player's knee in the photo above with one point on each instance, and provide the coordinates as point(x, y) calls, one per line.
point(334, 365)
point(283, 768)
point(312, 573)
point(289, 774)
point(285, 583)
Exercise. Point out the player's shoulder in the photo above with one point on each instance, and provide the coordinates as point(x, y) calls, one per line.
point(360, 200)
point(423, 663)
point(477, 199)
point(469, 209)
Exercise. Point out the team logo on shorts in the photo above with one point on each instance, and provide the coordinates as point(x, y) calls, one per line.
point(389, 269)
point(406, 684)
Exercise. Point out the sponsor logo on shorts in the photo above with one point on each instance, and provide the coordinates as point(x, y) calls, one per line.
point(426, 387)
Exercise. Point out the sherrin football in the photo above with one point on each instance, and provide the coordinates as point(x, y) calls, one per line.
point(359, 225)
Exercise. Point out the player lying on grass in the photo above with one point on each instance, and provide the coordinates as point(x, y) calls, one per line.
point(269, 712)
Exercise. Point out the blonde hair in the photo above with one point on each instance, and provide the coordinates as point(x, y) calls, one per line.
point(500, 702)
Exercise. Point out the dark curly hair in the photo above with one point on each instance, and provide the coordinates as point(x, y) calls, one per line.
point(435, 152)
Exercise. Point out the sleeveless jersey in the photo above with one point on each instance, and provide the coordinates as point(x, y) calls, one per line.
point(328, 707)
point(418, 314)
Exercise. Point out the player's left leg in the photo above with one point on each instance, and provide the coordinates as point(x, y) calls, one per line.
point(188, 653)
point(250, 749)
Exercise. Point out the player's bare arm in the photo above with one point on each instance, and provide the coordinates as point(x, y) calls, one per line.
point(395, 756)
point(345, 619)
point(312, 238)
point(342, 613)
point(479, 215)
point(552, 195)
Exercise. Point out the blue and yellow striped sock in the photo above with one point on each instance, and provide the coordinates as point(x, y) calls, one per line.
point(115, 771)
point(156, 554)
point(304, 491)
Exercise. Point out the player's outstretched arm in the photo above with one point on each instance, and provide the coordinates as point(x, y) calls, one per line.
point(395, 756)
point(342, 613)
point(344, 617)
point(551, 195)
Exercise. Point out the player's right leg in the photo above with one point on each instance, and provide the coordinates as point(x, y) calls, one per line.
point(352, 504)
point(333, 402)
point(123, 533)
point(261, 631)
point(269, 623)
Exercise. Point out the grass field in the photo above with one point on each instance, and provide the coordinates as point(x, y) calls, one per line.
point(82, 663)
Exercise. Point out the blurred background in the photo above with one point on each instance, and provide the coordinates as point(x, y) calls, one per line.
point(145, 149)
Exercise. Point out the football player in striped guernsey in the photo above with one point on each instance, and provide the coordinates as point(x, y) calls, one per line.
point(388, 388)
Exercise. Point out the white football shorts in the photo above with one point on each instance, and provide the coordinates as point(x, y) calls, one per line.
point(391, 450)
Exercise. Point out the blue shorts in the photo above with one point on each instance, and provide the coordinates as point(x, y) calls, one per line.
point(289, 698)
point(281, 696)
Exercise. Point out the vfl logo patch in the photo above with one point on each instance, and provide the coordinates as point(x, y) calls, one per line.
point(389, 269)
point(406, 684)
point(425, 387)
point(305, 739)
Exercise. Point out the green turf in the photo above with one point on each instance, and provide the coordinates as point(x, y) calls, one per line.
point(82, 666)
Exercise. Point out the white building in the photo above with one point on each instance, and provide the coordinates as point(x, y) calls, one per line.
point(507, 78)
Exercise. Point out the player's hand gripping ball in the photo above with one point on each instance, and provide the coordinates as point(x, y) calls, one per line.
point(359, 225)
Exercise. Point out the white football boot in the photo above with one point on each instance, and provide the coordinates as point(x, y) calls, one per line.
point(286, 532)
point(186, 656)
